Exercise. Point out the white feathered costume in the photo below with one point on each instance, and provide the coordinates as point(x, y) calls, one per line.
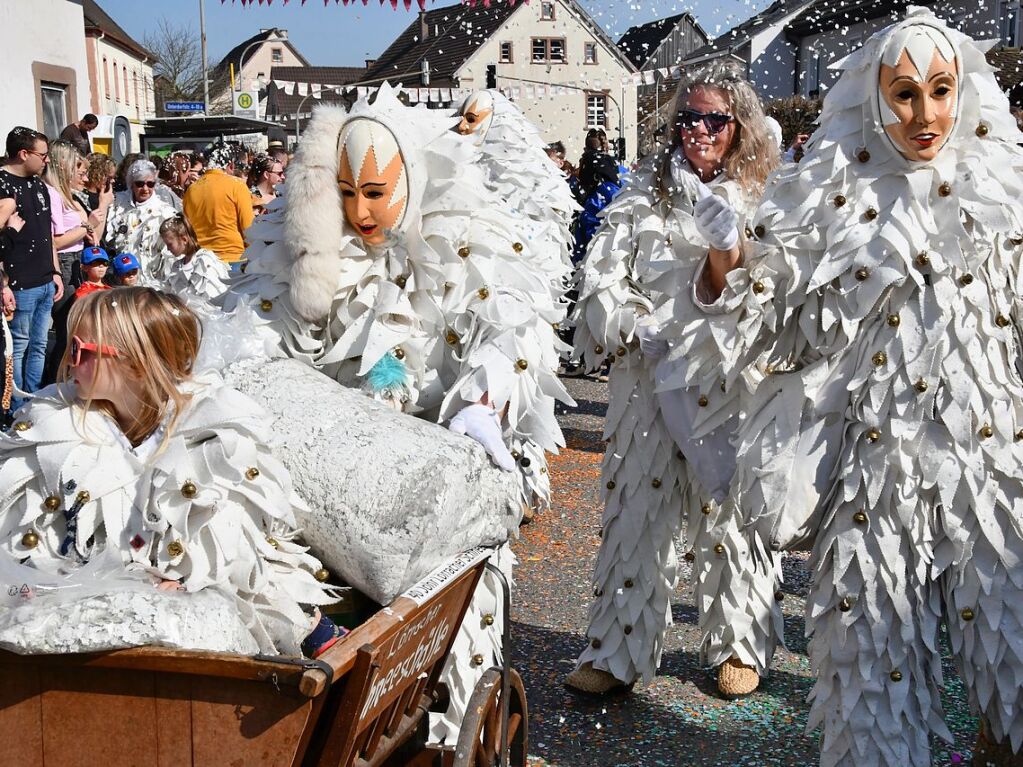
point(134, 227)
point(213, 508)
point(518, 170)
point(642, 259)
point(886, 295)
point(456, 299)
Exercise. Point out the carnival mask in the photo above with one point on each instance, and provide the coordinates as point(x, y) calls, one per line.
point(477, 114)
point(918, 92)
point(372, 179)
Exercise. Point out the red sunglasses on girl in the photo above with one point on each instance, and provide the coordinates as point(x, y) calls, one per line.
point(78, 346)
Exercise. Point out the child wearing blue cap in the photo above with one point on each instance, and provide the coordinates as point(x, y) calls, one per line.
point(126, 268)
point(95, 263)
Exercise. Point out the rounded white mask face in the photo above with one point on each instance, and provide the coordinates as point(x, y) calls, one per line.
point(477, 115)
point(373, 180)
point(918, 92)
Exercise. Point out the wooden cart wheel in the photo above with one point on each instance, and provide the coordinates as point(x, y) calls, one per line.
point(480, 736)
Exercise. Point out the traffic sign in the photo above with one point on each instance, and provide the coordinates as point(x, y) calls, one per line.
point(246, 104)
point(183, 106)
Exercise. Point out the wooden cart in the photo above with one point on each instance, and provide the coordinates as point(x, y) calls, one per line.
point(363, 703)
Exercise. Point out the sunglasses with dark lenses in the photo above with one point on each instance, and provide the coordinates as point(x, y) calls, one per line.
point(98, 262)
point(140, 184)
point(78, 346)
point(714, 122)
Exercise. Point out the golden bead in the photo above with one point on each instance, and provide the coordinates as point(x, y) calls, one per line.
point(30, 539)
point(23, 426)
point(516, 454)
point(703, 401)
point(175, 549)
point(598, 349)
point(451, 337)
point(863, 155)
point(896, 676)
point(488, 620)
point(656, 483)
point(873, 435)
point(463, 252)
point(483, 293)
point(627, 629)
point(759, 230)
point(719, 548)
point(922, 259)
point(706, 508)
point(189, 489)
point(894, 320)
point(758, 287)
point(966, 279)
point(556, 325)
point(1002, 321)
point(266, 304)
point(870, 214)
point(689, 556)
point(862, 273)
point(273, 542)
point(628, 583)
point(621, 351)
point(986, 432)
point(610, 484)
point(52, 502)
point(400, 281)
point(945, 189)
point(595, 644)
point(920, 385)
point(779, 596)
point(839, 200)
point(83, 496)
point(477, 660)
point(521, 364)
point(322, 574)
point(982, 130)
point(844, 604)
point(399, 353)
point(879, 359)
point(860, 518)
point(967, 614)
point(517, 247)
point(251, 473)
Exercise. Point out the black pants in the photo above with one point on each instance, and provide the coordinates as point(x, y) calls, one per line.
point(71, 274)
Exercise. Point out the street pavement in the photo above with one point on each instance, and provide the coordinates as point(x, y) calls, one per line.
point(676, 720)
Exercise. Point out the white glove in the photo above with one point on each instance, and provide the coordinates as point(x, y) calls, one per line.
point(652, 347)
point(716, 220)
point(483, 424)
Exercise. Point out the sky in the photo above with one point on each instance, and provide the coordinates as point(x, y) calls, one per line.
point(336, 35)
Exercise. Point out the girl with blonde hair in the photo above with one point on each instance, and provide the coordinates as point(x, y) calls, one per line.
point(639, 267)
point(169, 469)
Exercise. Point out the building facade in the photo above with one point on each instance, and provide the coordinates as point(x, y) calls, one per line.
point(44, 84)
point(253, 61)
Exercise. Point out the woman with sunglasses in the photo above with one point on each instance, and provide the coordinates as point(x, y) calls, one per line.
point(264, 176)
point(133, 225)
point(134, 452)
point(639, 266)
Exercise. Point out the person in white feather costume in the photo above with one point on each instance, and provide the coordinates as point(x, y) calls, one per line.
point(392, 267)
point(641, 260)
point(886, 296)
point(133, 455)
point(133, 223)
point(192, 272)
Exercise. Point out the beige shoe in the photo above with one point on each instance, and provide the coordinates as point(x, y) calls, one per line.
point(593, 681)
point(736, 679)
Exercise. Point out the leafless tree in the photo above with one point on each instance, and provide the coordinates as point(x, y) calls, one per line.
point(177, 73)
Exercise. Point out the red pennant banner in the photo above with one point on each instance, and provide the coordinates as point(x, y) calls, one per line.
point(394, 3)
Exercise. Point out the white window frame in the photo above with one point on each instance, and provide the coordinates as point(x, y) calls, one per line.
point(587, 47)
point(596, 107)
point(60, 119)
point(547, 49)
point(277, 55)
point(546, 5)
point(501, 57)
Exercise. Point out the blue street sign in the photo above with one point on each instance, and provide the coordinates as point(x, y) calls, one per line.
point(183, 106)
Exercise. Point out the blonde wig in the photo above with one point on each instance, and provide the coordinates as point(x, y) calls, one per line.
point(753, 154)
point(157, 339)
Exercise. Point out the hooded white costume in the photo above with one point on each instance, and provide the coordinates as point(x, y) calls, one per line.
point(203, 278)
point(134, 227)
point(212, 508)
point(517, 169)
point(453, 307)
point(886, 296)
point(642, 260)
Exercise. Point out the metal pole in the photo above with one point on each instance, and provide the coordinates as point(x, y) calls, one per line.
point(205, 72)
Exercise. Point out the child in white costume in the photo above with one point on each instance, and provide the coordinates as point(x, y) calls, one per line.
point(886, 295)
point(193, 273)
point(393, 268)
point(641, 261)
point(170, 471)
